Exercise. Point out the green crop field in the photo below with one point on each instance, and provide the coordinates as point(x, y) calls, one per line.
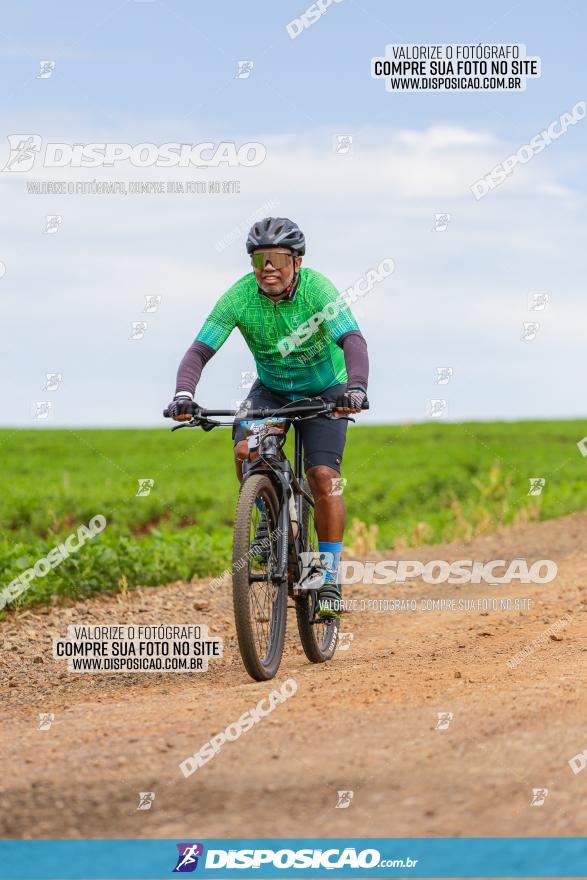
point(407, 485)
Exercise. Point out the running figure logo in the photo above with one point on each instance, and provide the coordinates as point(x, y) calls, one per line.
point(244, 69)
point(536, 485)
point(46, 719)
point(344, 640)
point(344, 799)
point(23, 150)
point(138, 329)
point(343, 144)
point(152, 303)
point(530, 330)
point(539, 795)
point(187, 859)
point(337, 485)
point(441, 222)
point(444, 719)
point(443, 375)
point(538, 301)
point(437, 408)
point(53, 381)
point(146, 799)
point(47, 68)
point(52, 224)
point(42, 409)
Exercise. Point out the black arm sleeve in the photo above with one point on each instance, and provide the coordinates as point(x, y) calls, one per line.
point(356, 358)
point(191, 366)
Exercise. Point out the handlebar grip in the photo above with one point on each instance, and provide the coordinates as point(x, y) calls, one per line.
point(165, 413)
point(365, 404)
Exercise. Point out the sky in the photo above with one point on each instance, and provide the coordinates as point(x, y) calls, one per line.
point(158, 72)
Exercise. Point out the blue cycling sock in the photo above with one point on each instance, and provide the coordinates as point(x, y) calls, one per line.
point(330, 553)
point(259, 505)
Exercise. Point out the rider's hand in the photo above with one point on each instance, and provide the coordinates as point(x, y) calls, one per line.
point(181, 407)
point(351, 401)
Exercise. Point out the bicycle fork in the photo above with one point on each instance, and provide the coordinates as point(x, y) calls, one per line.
point(283, 524)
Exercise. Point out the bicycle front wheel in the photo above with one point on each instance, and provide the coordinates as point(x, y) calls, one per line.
point(260, 603)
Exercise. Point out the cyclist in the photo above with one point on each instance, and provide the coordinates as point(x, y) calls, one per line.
point(326, 357)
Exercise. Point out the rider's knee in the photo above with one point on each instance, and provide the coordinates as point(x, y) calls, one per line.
point(321, 478)
point(241, 450)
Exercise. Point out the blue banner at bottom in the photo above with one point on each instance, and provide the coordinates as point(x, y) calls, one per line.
point(296, 857)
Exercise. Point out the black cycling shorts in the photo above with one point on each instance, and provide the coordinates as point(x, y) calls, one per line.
point(323, 439)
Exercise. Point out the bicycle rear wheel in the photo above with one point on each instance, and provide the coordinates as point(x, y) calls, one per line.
point(318, 638)
point(260, 604)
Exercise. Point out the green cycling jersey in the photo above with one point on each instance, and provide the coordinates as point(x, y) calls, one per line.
point(293, 340)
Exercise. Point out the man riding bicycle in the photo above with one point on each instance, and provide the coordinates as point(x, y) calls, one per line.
point(305, 343)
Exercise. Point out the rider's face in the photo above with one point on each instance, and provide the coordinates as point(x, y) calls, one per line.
point(274, 281)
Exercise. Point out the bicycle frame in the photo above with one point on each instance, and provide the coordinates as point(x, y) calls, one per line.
point(286, 479)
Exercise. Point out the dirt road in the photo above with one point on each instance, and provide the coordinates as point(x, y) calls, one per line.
point(366, 722)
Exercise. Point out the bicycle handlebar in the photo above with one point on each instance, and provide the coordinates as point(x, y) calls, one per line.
point(318, 406)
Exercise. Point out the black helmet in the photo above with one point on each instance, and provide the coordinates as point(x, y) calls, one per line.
point(276, 232)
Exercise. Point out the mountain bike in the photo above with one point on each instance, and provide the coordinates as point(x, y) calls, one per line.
point(275, 547)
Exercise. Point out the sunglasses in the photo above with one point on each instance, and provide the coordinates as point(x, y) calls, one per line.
point(278, 261)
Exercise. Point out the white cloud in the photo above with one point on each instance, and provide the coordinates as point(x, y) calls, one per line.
point(441, 137)
point(68, 299)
